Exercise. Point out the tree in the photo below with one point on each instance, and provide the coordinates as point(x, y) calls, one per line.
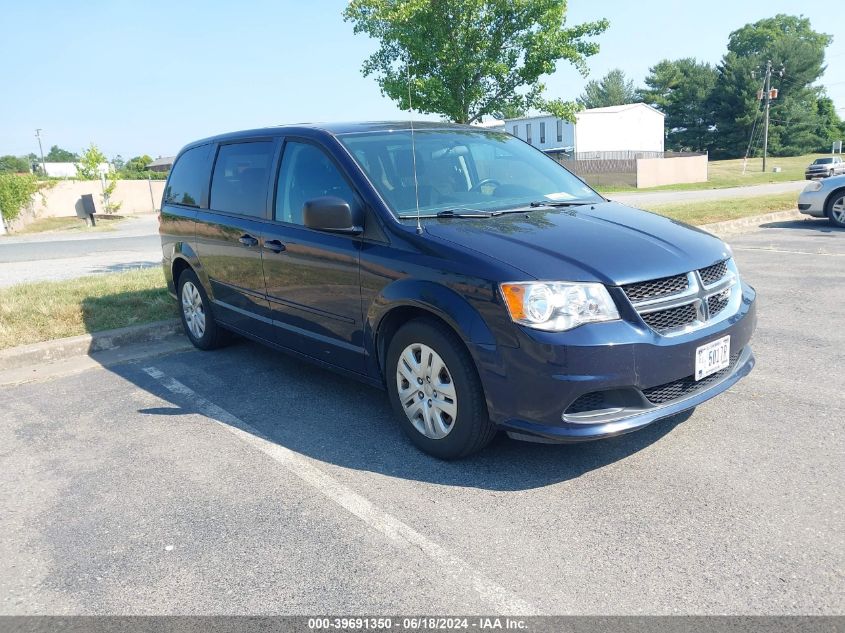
point(59, 155)
point(613, 89)
point(682, 89)
point(468, 58)
point(16, 191)
point(14, 165)
point(830, 127)
point(797, 55)
point(118, 162)
point(88, 167)
point(138, 163)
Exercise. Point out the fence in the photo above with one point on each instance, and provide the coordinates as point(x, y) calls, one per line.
point(134, 196)
point(635, 169)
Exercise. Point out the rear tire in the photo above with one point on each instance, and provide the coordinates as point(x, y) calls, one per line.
point(449, 420)
point(195, 311)
point(835, 208)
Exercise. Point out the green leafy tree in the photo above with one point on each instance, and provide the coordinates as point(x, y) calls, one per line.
point(118, 163)
point(830, 127)
point(797, 55)
point(612, 89)
point(138, 163)
point(682, 89)
point(14, 165)
point(16, 191)
point(88, 167)
point(59, 155)
point(468, 58)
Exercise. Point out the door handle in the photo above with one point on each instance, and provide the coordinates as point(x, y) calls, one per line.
point(274, 245)
point(247, 240)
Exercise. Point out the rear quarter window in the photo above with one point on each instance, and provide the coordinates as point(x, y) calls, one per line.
point(189, 178)
point(241, 178)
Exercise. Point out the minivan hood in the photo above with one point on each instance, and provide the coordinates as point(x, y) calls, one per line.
point(606, 242)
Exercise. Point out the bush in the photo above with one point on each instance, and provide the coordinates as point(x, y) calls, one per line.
point(142, 175)
point(14, 165)
point(16, 191)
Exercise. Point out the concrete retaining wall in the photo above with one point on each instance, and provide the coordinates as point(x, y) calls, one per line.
point(653, 172)
point(61, 198)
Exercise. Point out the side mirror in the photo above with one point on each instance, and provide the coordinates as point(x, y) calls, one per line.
point(332, 214)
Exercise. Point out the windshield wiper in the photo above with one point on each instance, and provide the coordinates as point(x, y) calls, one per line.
point(458, 213)
point(559, 203)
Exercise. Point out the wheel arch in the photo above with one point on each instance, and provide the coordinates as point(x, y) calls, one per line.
point(831, 197)
point(406, 300)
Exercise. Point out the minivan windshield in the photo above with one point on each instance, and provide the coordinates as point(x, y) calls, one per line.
point(462, 171)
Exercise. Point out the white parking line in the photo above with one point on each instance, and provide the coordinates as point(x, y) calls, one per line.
point(499, 599)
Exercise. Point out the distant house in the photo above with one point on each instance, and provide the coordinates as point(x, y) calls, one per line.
point(163, 163)
point(634, 127)
point(69, 170)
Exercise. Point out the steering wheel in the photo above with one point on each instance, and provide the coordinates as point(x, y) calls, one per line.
point(487, 181)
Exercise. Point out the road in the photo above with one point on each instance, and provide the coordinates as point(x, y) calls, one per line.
point(64, 255)
point(666, 197)
point(241, 481)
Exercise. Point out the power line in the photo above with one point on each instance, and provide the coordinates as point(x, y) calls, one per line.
point(751, 140)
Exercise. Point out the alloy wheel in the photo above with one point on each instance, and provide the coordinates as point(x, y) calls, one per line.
point(193, 310)
point(426, 391)
point(837, 210)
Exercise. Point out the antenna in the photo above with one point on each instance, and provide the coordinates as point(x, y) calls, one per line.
point(413, 146)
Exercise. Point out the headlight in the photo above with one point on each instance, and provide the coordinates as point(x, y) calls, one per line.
point(557, 305)
point(814, 185)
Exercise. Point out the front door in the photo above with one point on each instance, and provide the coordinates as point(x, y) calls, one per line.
point(312, 276)
point(229, 234)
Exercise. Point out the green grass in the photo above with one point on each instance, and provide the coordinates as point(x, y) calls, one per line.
point(707, 211)
point(71, 223)
point(46, 310)
point(728, 173)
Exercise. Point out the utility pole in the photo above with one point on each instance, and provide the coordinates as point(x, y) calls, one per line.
point(41, 150)
point(768, 97)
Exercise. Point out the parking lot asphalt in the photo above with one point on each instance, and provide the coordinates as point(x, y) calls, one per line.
point(242, 481)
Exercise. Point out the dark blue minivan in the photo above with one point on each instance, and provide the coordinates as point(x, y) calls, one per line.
point(472, 276)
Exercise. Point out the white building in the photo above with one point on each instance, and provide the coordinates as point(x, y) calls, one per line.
point(68, 170)
point(634, 127)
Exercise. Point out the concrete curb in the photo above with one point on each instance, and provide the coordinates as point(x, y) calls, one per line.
point(63, 348)
point(740, 225)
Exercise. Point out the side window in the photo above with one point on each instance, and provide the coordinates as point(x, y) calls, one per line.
point(241, 178)
point(306, 173)
point(516, 130)
point(189, 177)
point(559, 130)
point(528, 133)
point(542, 131)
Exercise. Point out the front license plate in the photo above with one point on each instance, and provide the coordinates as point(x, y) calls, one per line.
point(712, 357)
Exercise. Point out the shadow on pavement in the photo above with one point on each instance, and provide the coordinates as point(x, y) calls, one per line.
point(340, 421)
point(821, 225)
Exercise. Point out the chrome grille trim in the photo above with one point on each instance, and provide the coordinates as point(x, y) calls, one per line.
point(709, 302)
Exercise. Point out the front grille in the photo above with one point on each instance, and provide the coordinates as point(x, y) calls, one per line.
point(664, 320)
point(714, 273)
point(688, 386)
point(717, 303)
point(643, 291)
point(588, 402)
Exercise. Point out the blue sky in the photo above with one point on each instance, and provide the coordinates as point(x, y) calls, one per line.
point(147, 77)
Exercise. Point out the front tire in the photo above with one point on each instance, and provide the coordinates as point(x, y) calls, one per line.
point(835, 208)
point(435, 391)
point(195, 310)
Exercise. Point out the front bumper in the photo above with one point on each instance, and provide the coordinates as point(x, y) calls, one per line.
point(812, 202)
point(528, 388)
